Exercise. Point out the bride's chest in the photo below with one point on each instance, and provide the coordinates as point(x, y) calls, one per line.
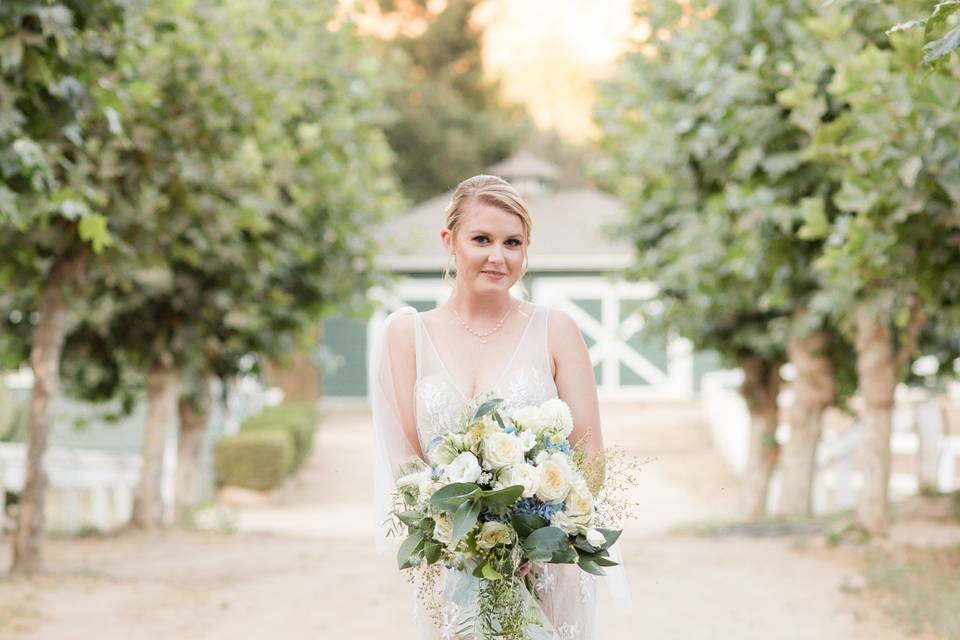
point(440, 402)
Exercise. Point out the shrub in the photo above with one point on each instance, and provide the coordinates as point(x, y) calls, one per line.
point(257, 460)
point(298, 418)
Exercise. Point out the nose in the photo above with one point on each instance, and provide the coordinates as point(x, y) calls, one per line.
point(496, 254)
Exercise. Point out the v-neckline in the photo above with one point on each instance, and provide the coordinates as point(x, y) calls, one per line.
point(503, 373)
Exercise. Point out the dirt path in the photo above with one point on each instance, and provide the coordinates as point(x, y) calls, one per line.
point(304, 568)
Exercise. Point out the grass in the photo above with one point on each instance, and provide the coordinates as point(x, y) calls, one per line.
point(918, 588)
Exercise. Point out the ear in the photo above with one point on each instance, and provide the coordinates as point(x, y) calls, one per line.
point(446, 236)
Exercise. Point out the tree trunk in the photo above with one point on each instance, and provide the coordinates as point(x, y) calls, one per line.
point(45, 355)
point(193, 423)
point(876, 370)
point(161, 411)
point(761, 384)
point(813, 391)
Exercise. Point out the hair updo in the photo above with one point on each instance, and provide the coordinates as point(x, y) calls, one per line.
point(492, 191)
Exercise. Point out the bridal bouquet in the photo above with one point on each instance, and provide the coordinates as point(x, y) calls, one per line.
point(500, 491)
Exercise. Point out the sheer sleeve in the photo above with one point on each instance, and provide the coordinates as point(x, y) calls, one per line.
point(391, 446)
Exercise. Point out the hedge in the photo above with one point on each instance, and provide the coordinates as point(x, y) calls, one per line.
point(257, 460)
point(298, 418)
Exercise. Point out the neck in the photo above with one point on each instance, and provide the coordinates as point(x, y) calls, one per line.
point(480, 307)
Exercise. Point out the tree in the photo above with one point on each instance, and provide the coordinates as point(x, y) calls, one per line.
point(941, 32)
point(259, 178)
point(890, 262)
point(53, 59)
point(711, 166)
point(451, 122)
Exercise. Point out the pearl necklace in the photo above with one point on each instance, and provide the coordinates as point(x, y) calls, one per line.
point(482, 336)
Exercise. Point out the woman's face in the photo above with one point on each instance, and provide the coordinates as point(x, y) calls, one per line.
point(488, 247)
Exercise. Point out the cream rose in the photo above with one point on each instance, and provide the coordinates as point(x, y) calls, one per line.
point(556, 413)
point(493, 533)
point(464, 468)
point(554, 478)
point(579, 501)
point(524, 474)
point(502, 450)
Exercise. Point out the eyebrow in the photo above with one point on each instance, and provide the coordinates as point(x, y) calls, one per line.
point(487, 233)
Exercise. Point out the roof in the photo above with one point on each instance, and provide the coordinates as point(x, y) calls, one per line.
point(524, 164)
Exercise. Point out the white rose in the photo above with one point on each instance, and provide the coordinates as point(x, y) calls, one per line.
point(528, 439)
point(595, 538)
point(529, 418)
point(493, 533)
point(554, 478)
point(565, 523)
point(579, 501)
point(464, 468)
point(523, 474)
point(556, 413)
point(502, 450)
point(443, 528)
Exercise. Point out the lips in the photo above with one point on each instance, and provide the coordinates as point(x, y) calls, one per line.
point(493, 274)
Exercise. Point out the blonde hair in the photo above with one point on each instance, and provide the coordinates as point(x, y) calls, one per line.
point(495, 192)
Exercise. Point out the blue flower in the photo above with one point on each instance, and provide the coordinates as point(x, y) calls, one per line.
point(536, 507)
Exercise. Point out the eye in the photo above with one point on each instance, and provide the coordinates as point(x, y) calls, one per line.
point(513, 242)
point(480, 238)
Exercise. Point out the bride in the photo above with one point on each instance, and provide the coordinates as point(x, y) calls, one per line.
point(427, 365)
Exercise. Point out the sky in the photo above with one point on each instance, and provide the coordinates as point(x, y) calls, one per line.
point(549, 52)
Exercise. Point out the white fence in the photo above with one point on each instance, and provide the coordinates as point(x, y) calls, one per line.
point(88, 487)
point(85, 488)
point(837, 478)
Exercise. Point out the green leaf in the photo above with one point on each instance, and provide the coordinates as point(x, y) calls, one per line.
point(431, 551)
point(604, 561)
point(611, 536)
point(543, 543)
point(465, 519)
point(93, 229)
point(933, 51)
point(815, 224)
point(498, 500)
point(589, 565)
point(410, 518)
point(490, 573)
point(526, 523)
point(408, 555)
point(485, 408)
point(450, 497)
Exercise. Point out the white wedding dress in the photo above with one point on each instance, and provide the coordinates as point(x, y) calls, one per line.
point(566, 593)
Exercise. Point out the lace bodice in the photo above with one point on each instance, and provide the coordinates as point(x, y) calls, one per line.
point(525, 380)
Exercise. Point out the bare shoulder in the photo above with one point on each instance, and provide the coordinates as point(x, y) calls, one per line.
point(561, 327)
point(400, 334)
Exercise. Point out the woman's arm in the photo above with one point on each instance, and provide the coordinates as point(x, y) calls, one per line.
point(403, 367)
point(576, 385)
